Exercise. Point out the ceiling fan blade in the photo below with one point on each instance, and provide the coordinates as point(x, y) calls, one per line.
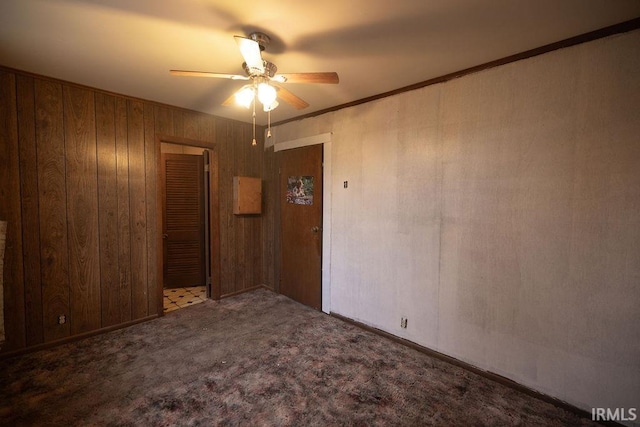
point(250, 50)
point(329, 78)
point(243, 97)
point(207, 74)
point(230, 100)
point(292, 99)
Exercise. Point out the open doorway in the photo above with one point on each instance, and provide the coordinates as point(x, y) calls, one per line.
point(185, 196)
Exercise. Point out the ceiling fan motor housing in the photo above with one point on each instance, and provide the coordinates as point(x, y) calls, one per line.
point(262, 39)
point(270, 70)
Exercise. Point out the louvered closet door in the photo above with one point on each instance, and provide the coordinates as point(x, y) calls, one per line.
point(183, 220)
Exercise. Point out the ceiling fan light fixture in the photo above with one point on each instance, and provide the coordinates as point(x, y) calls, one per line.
point(260, 73)
point(270, 107)
point(244, 96)
point(266, 94)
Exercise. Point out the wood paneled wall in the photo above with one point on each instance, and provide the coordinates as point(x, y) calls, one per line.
point(78, 172)
point(271, 219)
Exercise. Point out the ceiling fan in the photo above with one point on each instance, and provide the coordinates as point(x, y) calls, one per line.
point(264, 82)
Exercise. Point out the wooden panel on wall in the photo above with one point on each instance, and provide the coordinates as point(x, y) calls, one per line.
point(52, 194)
point(163, 120)
point(82, 209)
point(242, 226)
point(207, 128)
point(249, 161)
point(138, 210)
point(255, 168)
point(108, 208)
point(152, 158)
point(163, 125)
point(214, 220)
point(269, 188)
point(227, 220)
point(30, 210)
point(194, 126)
point(239, 234)
point(178, 124)
point(190, 128)
point(124, 222)
point(13, 282)
point(79, 177)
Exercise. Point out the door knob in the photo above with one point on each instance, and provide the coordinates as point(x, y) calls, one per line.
point(165, 235)
point(315, 229)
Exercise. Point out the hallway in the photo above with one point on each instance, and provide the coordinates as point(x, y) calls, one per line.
point(175, 298)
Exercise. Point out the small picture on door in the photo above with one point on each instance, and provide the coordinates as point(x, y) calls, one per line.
point(300, 190)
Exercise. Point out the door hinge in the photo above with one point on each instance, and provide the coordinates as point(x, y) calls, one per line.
point(206, 168)
point(208, 280)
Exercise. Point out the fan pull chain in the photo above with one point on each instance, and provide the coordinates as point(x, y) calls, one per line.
point(269, 124)
point(254, 143)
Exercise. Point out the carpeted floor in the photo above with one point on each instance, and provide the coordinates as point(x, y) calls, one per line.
point(257, 359)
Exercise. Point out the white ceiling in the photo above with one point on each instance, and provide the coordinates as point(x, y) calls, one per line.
point(129, 46)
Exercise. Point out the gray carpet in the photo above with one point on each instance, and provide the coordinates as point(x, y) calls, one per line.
point(254, 359)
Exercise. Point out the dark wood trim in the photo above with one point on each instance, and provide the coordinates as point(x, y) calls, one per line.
point(74, 338)
point(467, 366)
point(622, 27)
point(253, 288)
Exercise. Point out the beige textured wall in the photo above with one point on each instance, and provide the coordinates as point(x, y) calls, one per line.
point(500, 213)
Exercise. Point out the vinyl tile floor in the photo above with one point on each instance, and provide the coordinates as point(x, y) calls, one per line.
point(175, 298)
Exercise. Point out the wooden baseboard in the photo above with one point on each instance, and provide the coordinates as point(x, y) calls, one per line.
point(253, 288)
point(487, 374)
point(78, 337)
point(43, 346)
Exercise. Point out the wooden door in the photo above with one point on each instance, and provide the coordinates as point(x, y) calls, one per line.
point(301, 225)
point(183, 220)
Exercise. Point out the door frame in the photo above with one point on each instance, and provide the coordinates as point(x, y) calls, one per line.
point(214, 212)
point(325, 140)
